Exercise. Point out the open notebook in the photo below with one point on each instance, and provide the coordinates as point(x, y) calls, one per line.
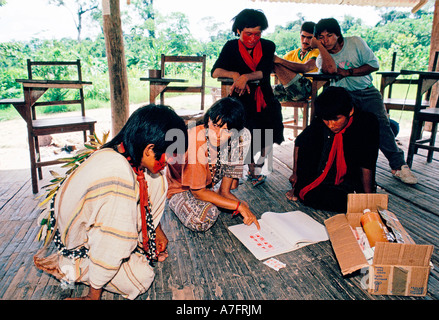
point(280, 233)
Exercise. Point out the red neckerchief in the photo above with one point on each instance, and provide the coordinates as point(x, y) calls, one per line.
point(148, 231)
point(336, 153)
point(143, 191)
point(252, 63)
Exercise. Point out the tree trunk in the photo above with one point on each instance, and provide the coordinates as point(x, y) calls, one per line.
point(116, 64)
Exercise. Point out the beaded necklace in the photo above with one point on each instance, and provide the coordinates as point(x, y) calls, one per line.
point(215, 169)
point(148, 230)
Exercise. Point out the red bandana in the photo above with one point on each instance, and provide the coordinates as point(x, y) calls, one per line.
point(252, 63)
point(336, 153)
point(143, 190)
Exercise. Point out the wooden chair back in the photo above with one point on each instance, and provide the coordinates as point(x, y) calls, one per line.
point(55, 71)
point(201, 88)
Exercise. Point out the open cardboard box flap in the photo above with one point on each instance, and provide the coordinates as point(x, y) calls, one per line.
point(346, 249)
point(400, 269)
point(357, 202)
point(402, 254)
point(397, 268)
point(348, 253)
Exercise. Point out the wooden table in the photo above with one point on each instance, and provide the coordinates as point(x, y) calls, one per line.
point(158, 86)
point(17, 103)
point(390, 78)
point(34, 89)
point(425, 80)
point(319, 80)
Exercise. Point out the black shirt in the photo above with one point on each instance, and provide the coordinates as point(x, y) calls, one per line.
point(360, 145)
point(270, 117)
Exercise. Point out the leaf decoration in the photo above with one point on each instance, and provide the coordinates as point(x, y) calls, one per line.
point(72, 163)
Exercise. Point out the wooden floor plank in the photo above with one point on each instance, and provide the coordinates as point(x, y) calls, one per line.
point(214, 265)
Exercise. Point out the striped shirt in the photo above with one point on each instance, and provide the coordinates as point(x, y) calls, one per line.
point(97, 207)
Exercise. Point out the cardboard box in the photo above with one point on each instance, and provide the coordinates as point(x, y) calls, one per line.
point(397, 268)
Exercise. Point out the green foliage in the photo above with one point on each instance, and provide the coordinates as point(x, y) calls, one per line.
point(152, 34)
point(286, 38)
point(383, 36)
point(408, 36)
point(12, 67)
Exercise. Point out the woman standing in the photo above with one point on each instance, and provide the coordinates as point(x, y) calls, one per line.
point(249, 62)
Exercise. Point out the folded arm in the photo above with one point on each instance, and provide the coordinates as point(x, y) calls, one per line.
point(295, 66)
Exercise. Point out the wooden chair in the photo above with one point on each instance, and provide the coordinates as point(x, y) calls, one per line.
point(425, 115)
point(422, 116)
point(201, 88)
point(303, 106)
point(40, 127)
point(295, 123)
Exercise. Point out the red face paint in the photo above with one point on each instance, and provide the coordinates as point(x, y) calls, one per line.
point(160, 164)
point(250, 37)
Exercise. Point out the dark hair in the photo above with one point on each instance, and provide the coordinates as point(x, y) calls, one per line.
point(308, 26)
point(249, 18)
point(330, 25)
point(332, 102)
point(226, 110)
point(149, 125)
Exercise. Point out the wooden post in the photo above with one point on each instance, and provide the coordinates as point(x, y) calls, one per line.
point(116, 64)
point(434, 46)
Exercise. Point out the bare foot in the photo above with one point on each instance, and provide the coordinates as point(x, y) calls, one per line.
point(93, 294)
point(290, 195)
point(50, 265)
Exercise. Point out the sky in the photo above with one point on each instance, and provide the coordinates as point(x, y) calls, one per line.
point(27, 19)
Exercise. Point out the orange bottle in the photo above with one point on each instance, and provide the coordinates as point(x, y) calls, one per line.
point(373, 227)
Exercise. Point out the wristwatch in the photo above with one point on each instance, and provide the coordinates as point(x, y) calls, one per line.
point(351, 72)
